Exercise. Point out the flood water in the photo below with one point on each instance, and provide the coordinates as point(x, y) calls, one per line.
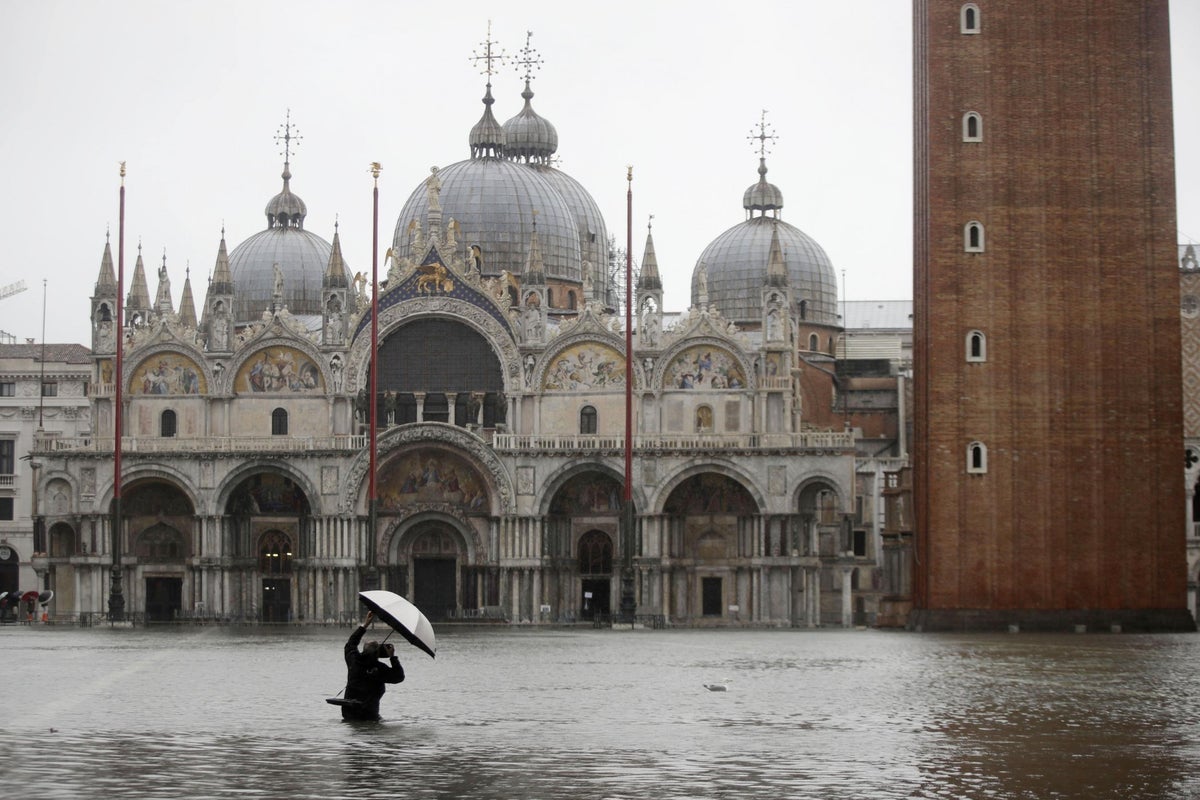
point(531, 714)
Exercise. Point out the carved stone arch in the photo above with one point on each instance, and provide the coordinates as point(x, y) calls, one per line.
point(147, 472)
point(724, 467)
point(501, 497)
point(564, 343)
point(553, 483)
point(133, 363)
point(392, 540)
point(233, 368)
point(50, 477)
point(818, 481)
point(235, 477)
point(678, 348)
point(451, 308)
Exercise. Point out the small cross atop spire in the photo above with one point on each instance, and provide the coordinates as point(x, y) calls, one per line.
point(530, 59)
point(490, 54)
point(288, 135)
point(765, 134)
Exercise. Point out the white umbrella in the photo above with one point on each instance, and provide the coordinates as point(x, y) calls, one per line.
point(403, 617)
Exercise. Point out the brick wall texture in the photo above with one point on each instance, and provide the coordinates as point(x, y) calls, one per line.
point(1077, 291)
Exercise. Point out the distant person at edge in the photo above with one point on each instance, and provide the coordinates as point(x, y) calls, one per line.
point(367, 676)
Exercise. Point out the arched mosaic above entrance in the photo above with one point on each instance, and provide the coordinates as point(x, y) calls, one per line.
point(168, 374)
point(431, 475)
point(279, 370)
point(710, 493)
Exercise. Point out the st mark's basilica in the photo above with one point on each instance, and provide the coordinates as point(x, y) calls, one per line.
point(500, 399)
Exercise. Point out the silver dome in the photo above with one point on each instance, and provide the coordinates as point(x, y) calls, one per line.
point(303, 258)
point(493, 201)
point(593, 234)
point(736, 263)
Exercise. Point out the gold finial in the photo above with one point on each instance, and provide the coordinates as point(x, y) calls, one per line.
point(489, 54)
point(765, 133)
point(629, 173)
point(375, 170)
point(530, 59)
point(122, 163)
point(290, 134)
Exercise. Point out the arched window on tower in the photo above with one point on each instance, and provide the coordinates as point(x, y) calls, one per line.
point(279, 422)
point(973, 241)
point(167, 424)
point(976, 346)
point(969, 18)
point(587, 419)
point(977, 458)
point(571, 299)
point(972, 127)
point(814, 342)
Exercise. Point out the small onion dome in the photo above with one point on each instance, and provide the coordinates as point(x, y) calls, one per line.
point(487, 137)
point(527, 136)
point(762, 196)
point(286, 210)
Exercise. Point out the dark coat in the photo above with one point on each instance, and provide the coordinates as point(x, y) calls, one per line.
point(367, 679)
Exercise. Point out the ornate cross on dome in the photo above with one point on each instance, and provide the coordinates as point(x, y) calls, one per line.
point(489, 54)
point(289, 135)
point(765, 134)
point(530, 59)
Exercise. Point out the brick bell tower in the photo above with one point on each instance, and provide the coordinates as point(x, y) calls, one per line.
point(1047, 469)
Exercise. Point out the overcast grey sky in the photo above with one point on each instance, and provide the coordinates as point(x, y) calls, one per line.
point(191, 94)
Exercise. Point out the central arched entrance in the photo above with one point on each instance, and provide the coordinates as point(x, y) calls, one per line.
point(434, 556)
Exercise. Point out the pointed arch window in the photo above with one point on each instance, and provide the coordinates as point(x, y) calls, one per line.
point(976, 346)
point(167, 424)
point(587, 419)
point(969, 18)
point(814, 342)
point(972, 127)
point(977, 458)
point(279, 422)
point(571, 300)
point(275, 553)
point(973, 239)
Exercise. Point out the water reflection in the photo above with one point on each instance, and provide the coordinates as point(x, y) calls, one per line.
point(220, 712)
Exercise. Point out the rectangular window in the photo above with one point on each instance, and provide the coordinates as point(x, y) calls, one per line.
point(6, 508)
point(8, 389)
point(8, 460)
point(860, 543)
point(49, 389)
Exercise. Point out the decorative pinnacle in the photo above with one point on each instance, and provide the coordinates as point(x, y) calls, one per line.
point(376, 168)
point(765, 134)
point(629, 173)
point(122, 163)
point(289, 135)
point(530, 59)
point(650, 223)
point(489, 55)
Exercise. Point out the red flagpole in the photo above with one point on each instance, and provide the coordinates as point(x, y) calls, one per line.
point(629, 338)
point(116, 596)
point(373, 492)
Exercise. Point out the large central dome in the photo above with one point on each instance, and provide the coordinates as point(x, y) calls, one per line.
point(496, 193)
point(494, 201)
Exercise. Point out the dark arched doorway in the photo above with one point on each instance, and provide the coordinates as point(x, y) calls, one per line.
point(595, 573)
point(275, 566)
point(435, 554)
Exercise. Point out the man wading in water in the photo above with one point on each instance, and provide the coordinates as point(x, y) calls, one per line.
point(367, 676)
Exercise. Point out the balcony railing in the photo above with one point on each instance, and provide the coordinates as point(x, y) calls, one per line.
point(505, 442)
point(208, 444)
point(810, 440)
point(8, 481)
